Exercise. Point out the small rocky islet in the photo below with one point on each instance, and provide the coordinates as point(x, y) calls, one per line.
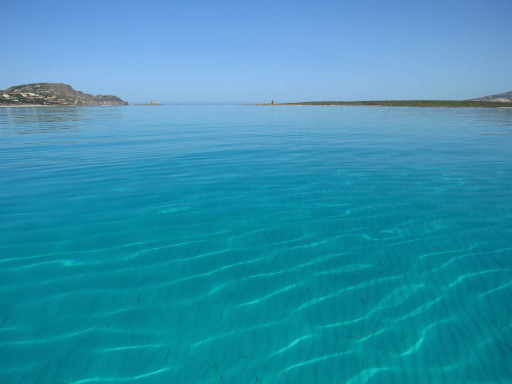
point(57, 94)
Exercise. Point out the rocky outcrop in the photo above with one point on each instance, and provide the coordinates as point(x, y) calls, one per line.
point(53, 94)
point(501, 98)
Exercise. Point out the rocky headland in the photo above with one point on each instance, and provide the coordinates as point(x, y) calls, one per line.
point(501, 98)
point(41, 94)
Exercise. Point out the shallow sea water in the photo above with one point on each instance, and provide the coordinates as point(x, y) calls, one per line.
point(243, 244)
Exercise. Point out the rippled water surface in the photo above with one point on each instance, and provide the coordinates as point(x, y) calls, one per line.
point(242, 244)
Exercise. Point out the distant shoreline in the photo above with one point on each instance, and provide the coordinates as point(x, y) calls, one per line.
point(403, 103)
point(310, 103)
point(32, 106)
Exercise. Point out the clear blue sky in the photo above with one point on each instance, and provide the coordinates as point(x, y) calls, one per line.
point(255, 51)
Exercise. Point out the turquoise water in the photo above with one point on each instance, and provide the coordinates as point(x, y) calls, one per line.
point(241, 244)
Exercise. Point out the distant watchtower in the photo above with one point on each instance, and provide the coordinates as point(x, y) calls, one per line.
point(272, 102)
point(153, 102)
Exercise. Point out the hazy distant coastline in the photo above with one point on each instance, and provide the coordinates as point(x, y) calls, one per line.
point(407, 103)
point(502, 100)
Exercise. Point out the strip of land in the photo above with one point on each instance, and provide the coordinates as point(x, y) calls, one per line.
point(411, 103)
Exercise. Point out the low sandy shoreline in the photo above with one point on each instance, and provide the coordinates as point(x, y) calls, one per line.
point(362, 105)
point(32, 106)
point(400, 103)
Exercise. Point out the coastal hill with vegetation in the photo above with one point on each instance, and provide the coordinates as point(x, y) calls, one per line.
point(503, 100)
point(53, 94)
